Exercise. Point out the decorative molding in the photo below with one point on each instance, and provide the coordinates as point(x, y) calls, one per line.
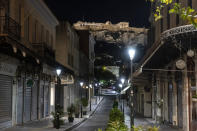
point(43, 10)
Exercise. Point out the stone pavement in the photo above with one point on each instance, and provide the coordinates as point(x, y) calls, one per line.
point(141, 121)
point(46, 124)
point(100, 118)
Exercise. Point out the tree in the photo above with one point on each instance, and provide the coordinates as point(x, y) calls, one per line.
point(186, 13)
point(105, 76)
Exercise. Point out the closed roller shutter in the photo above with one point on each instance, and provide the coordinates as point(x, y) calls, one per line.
point(46, 101)
point(34, 100)
point(5, 98)
point(27, 104)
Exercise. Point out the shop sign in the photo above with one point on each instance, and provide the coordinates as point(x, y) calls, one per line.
point(7, 69)
point(48, 70)
point(65, 80)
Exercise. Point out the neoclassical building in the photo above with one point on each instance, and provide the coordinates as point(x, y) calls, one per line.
point(166, 77)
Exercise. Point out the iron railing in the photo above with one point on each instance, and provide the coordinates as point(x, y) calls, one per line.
point(44, 50)
point(10, 27)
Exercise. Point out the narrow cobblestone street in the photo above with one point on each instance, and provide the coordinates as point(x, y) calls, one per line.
point(100, 118)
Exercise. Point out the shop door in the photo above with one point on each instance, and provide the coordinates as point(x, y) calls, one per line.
point(34, 101)
point(179, 102)
point(46, 101)
point(27, 103)
point(142, 104)
point(5, 98)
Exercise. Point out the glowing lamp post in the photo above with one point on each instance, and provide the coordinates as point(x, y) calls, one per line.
point(122, 80)
point(131, 53)
point(81, 84)
point(58, 71)
point(90, 87)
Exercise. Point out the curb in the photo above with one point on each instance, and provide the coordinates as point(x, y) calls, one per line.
point(78, 124)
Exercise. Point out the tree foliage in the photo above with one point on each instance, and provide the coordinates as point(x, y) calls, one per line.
point(103, 74)
point(186, 13)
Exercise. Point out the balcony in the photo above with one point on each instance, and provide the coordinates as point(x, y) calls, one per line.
point(44, 50)
point(10, 28)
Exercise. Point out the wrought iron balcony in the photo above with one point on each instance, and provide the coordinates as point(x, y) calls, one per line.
point(44, 50)
point(9, 27)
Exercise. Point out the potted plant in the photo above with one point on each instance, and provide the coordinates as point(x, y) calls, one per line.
point(57, 115)
point(77, 109)
point(84, 103)
point(71, 110)
point(115, 104)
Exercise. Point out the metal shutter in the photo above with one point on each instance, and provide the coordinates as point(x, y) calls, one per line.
point(27, 104)
point(46, 101)
point(41, 101)
point(5, 98)
point(34, 101)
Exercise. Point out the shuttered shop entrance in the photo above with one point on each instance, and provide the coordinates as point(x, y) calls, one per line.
point(27, 103)
point(5, 98)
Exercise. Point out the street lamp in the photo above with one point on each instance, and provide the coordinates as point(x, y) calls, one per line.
point(81, 84)
point(122, 80)
point(97, 92)
point(90, 87)
point(131, 53)
point(120, 85)
point(58, 71)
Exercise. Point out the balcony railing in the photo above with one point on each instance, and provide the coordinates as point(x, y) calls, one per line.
point(10, 27)
point(44, 50)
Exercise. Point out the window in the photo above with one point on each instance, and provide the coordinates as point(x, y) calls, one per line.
point(27, 28)
point(51, 40)
point(19, 14)
point(42, 33)
point(47, 37)
point(190, 3)
point(177, 16)
point(70, 60)
point(35, 31)
point(161, 24)
point(168, 18)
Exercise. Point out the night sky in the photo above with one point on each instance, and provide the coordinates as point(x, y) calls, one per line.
point(134, 11)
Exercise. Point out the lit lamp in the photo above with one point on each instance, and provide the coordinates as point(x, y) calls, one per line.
point(90, 87)
point(120, 85)
point(58, 71)
point(81, 84)
point(122, 80)
point(131, 53)
point(180, 64)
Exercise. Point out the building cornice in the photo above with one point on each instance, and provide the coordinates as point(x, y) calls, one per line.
point(45, 12)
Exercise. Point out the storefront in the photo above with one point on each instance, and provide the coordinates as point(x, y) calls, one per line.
point(7, 72)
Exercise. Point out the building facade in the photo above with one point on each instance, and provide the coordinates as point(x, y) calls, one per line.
point(169, 66)
point(27, 61)
point(67, 53)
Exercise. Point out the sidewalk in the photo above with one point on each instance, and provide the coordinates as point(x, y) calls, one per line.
point(145, 122)
point(46, 124)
